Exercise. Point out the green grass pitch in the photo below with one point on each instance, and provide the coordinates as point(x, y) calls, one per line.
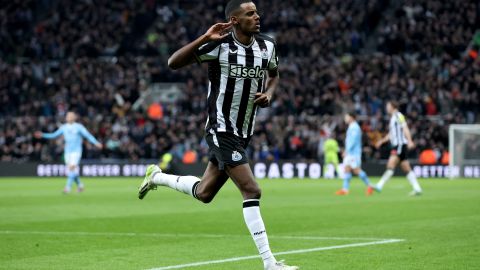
point(107, 227)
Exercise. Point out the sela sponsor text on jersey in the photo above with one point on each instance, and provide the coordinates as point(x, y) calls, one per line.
point(240, 71)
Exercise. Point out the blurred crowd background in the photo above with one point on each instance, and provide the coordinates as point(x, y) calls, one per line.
point(97, 57)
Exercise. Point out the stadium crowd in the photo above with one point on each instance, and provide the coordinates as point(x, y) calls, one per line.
point(97, 58)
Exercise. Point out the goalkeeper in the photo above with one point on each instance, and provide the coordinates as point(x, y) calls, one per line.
point(330, 151)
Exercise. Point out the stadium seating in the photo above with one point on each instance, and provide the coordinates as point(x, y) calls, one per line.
point(334, 55)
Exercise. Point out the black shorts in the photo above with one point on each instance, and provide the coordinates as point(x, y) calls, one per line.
point(227, 148)
point(400, 151)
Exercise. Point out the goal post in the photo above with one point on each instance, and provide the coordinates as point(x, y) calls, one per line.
point(463, 148)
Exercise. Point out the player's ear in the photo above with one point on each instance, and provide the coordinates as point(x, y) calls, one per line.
point(234, 20)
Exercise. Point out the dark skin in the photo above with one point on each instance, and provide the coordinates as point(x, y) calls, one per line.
point(245, 23)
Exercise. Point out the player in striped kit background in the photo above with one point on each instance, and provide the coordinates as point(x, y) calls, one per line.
point(400, 141)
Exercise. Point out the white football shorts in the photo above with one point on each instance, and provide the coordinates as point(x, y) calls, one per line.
point(73, 158)
point(352, 161)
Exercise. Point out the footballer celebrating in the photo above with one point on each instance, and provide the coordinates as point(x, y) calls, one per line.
point(353, 155)
point(400, 141)
point(243, 75)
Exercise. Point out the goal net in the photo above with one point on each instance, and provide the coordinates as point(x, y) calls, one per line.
point(464, 148)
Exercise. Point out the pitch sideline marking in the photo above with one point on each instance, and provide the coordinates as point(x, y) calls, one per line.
point(132, 234)
point(373, 241)
point(295, 251)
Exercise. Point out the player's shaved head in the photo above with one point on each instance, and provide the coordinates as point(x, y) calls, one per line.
point(233, 6)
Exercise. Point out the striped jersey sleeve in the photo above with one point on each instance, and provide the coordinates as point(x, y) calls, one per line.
point(208, 52)
point(273, 64)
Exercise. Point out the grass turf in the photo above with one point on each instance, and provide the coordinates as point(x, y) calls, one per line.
point(42, 229)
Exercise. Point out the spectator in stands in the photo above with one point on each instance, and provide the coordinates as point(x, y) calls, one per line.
point(434, 81)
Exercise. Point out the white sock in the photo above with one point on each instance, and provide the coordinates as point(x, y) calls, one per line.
point(412, 178)
point(385, 177)
point(254, 221)
point(185, 184)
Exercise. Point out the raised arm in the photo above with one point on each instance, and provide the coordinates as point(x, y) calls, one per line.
point(87, 135)
point(186, 55)
point(53, 135)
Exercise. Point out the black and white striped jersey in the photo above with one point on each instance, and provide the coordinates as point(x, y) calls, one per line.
point(236, 72)
point(397, 124)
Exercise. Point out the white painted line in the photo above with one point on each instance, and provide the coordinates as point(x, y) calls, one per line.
point(296, 251)
point(301, 237)
point(133, 234)
point(373, 241)
point(386, 241)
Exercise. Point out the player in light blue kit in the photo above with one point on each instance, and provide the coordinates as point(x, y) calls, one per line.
point(352, 158)
point(73, 134)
